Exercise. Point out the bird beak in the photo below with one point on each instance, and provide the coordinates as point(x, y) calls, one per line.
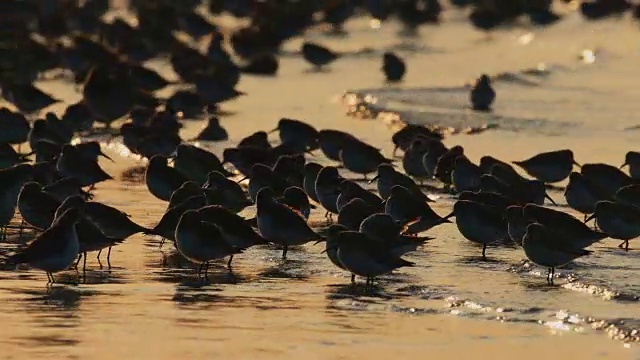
point(106, 156)
point(452, 214)
point(623, 165)
point(374, 179)
point(243, 179)
point(550, 199)
point(318, 242)
point(272, 131)
point(590, 218)
point(576, 164)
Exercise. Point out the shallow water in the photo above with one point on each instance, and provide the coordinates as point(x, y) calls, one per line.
point(151, 305)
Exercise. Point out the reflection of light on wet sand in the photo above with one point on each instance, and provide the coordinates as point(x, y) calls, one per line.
point(588, 56)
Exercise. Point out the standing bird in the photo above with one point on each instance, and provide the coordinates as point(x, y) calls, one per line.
point(546, 247)
point(161, 179)
point(280, 224)
point(310, 174)
point(317, 55)
point(393, 67)
point(482, 94)
point(300, 135)
point(109, 93)
point(581, 195)
point(55, 249)
point(617, 220)
point(632, 160)
point(72, 163)
point(200, 242)
point(479, 223)
point(388, 177)
point(327, 188)
point(549, 167)
point(407, 209)
point(361, 158)
point(213, 131)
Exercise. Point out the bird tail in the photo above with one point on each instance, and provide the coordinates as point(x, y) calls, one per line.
point(17, 258)
point(402, 262)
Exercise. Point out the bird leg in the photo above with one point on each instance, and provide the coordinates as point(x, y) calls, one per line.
point(53, 280)
point(200, 270)
point(98, 257)
point(78, 261)
point(624, 245)
point(229, 263)
point(48, 278)
point(353, 278)
point(109, 258)
point(161, 243)
point(206, 270)
point(284, 252)
point(20, 229)
point(484, 249)
point(84, 264)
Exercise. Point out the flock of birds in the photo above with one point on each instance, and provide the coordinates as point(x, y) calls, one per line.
point(368, 232)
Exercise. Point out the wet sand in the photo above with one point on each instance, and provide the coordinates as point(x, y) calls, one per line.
point(151, 305)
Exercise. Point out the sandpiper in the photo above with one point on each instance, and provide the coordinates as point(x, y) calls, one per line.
point(516, 223)
point(111, 221)
point(56, 248)
point(10, 157)
point(388, 177)
point(187, 190)
point(629, 194)
point(435, 149)
point(581, 195)
point(86, 171)
point(327, 188)
point(607, 178)
point(317, 55)
point(412, 159)
point(354, 212)
point(562, 222)
point(384, 230)
point(366, 258)
point(465, 175)
point(235, 229)
point(350, 190)
point(15, 125)
point(243, 158)
point(234, 196)
point(161, 179)
point(310, 173)
point(546, 247)
point(11, 181)
point(331, 246)
point(446, 163)
point(259, 139)
point(496, 200)
point(36, 206)
point(297, 133)
point(393, 67)
point(290, 167)
point(332, 142)
point(632, 160)
point(166, 227)
point(280, 224)
point(361, 158)
point(617, 220)
point(262, 176)
point(213, 131)
point(549, 167)
point(403, 138)
point(407, 209)
point(297, 199)
point(482, 94)
point(480, 223)
point(200, 242)
point(196, 163)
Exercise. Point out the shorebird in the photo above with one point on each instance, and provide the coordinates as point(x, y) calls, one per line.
point(55, 249)
point(235, 229)
point(384, 230)
point(317, 55)
point(435, 149)
point(331, 246)
point(297, 133)
point(393, 67)
point(403, 138)
point(109, 92)
point(516, 223)
point(496, 200)
point(10, 157)
point(549, 167)
point(111, 221)
point(200, 242)
point(91, 150)
point(479, 223)
point(363, 257)
point(361, 158)
point(213, 131)
point(465, 175)
point(11, 181)
point(16, 128)
point(446, 163)
point(187, 190)
point(351, 190)
point(297, 199)
point(407, 209)
point(629, 194)
point(546, 247)
point(196, 163)
point(280, 224)
point(36, 206)
point(310, 174)
point(327, 188)
point(632, 160)
point(581, 195)
point(261, 177)
point(608, 179)
point(233, 194)
point(166, 227)
point(617, 220)
point(161, 179)
point(244, 158)
point(259, 139)
point(412, 159)
point(291, 168)
point(354, 212)
point(332, 142)
point(72, 163)
point(388, 177)
point(562, 222)
point(482, 94)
